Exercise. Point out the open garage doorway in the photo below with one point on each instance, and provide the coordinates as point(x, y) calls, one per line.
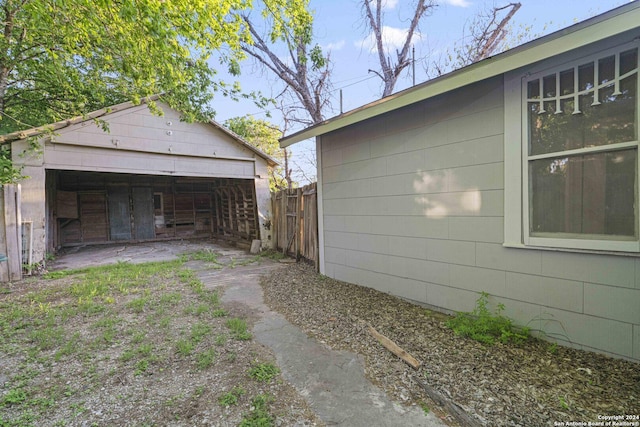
point(93, 208)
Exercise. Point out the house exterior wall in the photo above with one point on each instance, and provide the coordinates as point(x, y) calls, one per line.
point(137, 142)
point(413, 205)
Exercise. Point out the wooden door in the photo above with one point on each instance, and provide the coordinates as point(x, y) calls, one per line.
point(93, 217)
point(143, 213)
point(119, 213)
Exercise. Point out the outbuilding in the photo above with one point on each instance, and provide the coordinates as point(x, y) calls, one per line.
point(516, 176)
point(125, 174)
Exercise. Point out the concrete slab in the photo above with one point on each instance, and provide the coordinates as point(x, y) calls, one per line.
point(88, 256)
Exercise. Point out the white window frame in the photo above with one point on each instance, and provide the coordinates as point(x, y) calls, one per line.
point(517, 158)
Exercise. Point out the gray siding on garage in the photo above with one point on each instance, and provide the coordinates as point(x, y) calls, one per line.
point(139, 141)
point(413, 204)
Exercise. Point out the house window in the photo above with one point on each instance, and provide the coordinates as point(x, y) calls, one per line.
point(580, 177)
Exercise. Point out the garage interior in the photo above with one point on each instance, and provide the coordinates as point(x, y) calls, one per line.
point(95, 208)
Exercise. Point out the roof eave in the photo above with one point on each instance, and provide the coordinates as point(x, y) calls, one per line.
point(608, 24)
point(37, 131)
point(270, 160)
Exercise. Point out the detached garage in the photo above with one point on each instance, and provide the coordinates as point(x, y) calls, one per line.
point(145, 177)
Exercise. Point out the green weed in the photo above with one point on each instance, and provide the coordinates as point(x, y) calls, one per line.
point(220, 340)
point(137, 305)
point(484, 326)
point(205, 359)
point(199, 331)
point(425, 408)
point(170, 299)
point(231, 398)
point(219, 312)
point(259, 416)
point(205, 255)
point(238, 328)
point(14, 396)
point(264, 372)
point(563, 403)
point(184, 347)
point(201, 309)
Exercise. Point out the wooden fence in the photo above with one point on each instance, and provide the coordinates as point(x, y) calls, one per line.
point(295, 222)
point(10, 234)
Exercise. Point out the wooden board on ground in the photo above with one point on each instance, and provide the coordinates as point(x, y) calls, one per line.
point(395, 348)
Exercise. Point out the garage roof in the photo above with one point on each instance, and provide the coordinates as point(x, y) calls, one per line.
point(37, 131)
point(608, 24)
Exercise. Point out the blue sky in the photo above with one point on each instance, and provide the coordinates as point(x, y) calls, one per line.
point(339, 29)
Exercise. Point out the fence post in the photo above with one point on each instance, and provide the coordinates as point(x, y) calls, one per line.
point(12, 233)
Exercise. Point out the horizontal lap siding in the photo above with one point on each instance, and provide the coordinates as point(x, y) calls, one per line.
point(66, 157)
point(414, 205)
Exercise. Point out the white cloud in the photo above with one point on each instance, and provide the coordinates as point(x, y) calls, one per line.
point(386, 4)
point(334, 46)
point(392, 38)
point(459, 3)
point(389, 4)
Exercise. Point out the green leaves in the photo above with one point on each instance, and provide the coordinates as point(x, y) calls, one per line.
point(484, 326)
point(264, 136)
point(64, 58)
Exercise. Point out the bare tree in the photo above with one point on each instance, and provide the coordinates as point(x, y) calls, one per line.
point(487, 34)
point(390, 71)
point(305, 71)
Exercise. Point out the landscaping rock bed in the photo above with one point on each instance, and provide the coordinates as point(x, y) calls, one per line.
point(532, 384)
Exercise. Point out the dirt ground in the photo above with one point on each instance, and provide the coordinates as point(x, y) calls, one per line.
point(138, 345)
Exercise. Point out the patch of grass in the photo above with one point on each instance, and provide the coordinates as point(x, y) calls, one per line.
point(142, 351)
point(137, 305)
point(70, 347)
point(238, 328)
point(199, 331)
point(201, 309)
point(205, 255)
point(264, 372)
point(134, 310)
point(259, 416)
point(184, 347)
point(170, 299)
point(165, 322)
point(189, 277)
point(425, 408)
point(205, 359)
point(141, 367)
point(137, 337)
point(231, 398)
point(210, 297)
point(484, 326)
point(47, 337)
point(14, 396)
point(220, 340)
point(219, 312)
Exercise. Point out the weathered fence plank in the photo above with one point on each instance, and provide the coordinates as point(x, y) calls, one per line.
point(12, 230)
point(295, 222)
